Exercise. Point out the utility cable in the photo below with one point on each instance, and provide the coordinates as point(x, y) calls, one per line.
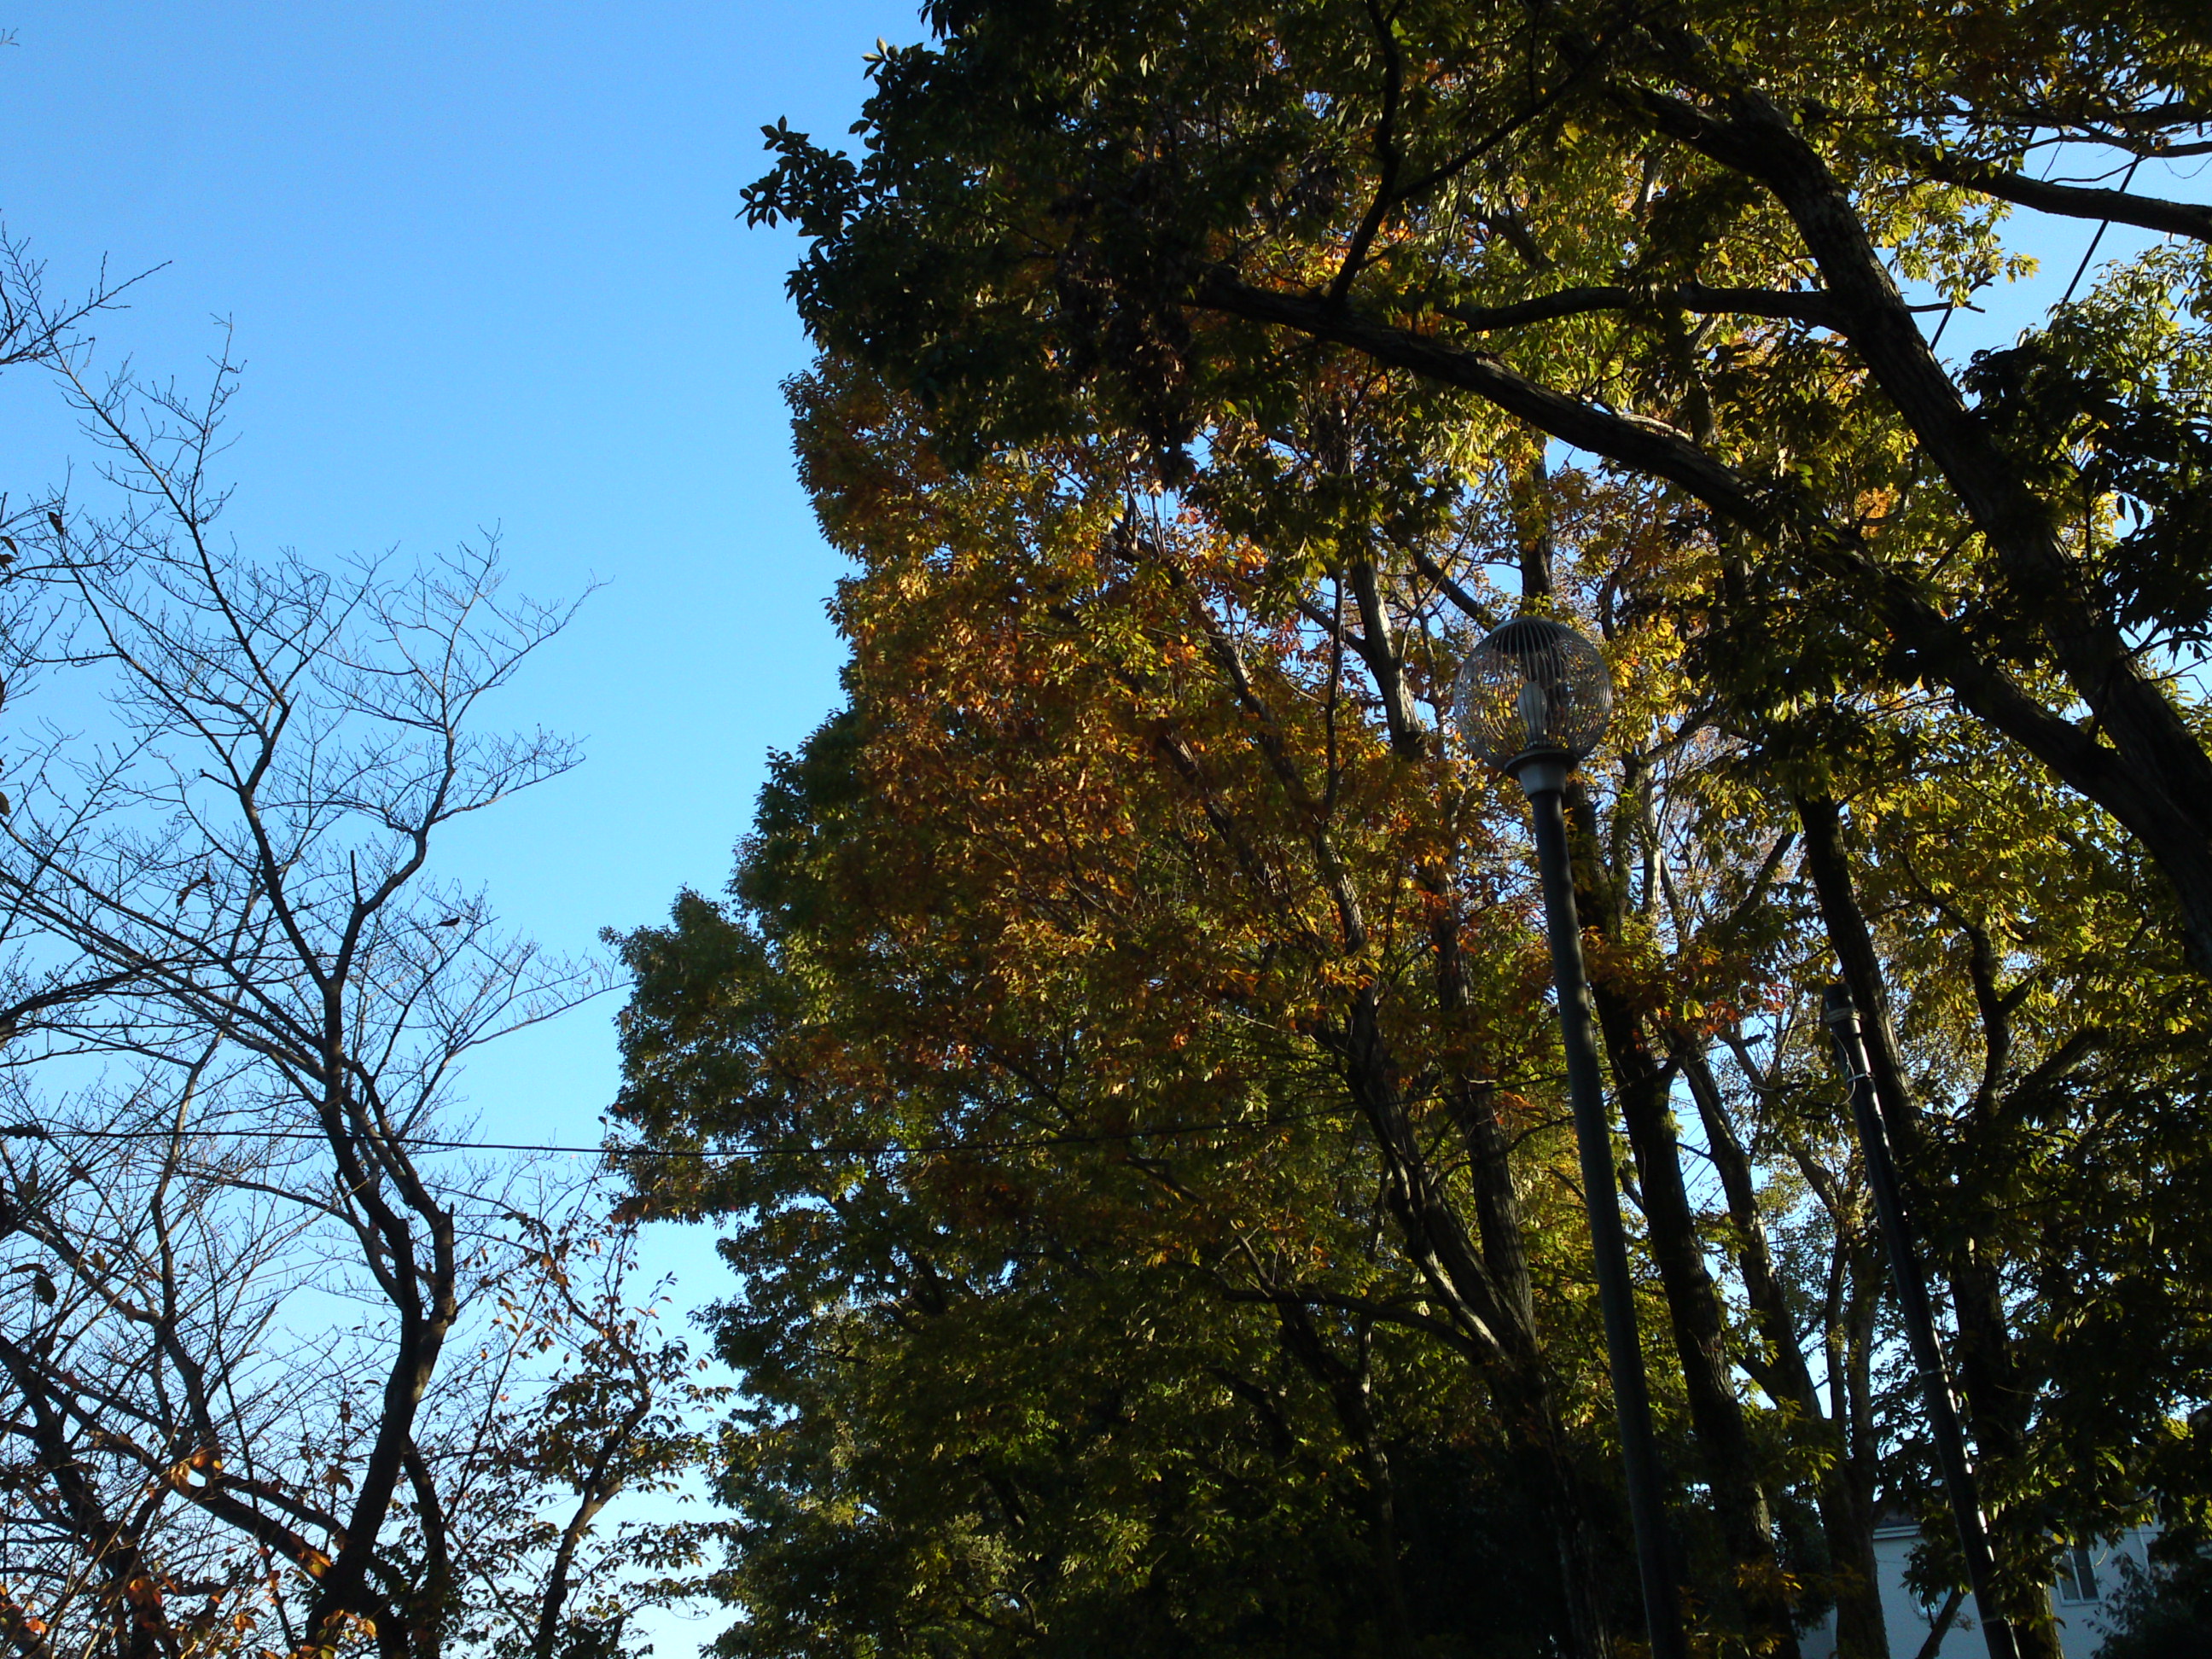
point(828, 1149)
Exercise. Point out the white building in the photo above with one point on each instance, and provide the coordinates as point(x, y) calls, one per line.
point(2088, 1576)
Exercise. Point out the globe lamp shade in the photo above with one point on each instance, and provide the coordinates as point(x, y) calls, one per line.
point(1534, 688)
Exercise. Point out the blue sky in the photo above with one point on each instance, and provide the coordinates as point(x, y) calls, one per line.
point(484, 269)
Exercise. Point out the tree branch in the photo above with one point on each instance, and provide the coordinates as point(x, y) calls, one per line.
point(2189, 219)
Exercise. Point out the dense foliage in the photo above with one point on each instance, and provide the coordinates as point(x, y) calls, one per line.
point(1672, 236)
point(2165, 1613)
point(1123, 1061)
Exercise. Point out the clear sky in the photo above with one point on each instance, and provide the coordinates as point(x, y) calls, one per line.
point(484, 268)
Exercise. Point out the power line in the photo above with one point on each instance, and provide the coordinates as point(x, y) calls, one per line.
point(827, 1149)
point(2103, 225)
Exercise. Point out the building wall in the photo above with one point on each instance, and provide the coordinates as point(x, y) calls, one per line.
point(2081, 1630)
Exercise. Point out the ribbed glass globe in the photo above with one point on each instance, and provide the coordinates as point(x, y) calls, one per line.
point(1534, 685)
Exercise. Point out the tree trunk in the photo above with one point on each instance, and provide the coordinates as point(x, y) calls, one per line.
point(1435, 1238)
point(1473, 1102)
point(1694, 1306)
point(1846, 1515)
point(1997, 1404)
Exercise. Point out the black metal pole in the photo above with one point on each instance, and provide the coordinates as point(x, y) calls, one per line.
point(1912, 1306)
point(1543, 778)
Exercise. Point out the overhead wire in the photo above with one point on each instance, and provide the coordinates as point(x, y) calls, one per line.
point(2103, 225)
point(825, 1149)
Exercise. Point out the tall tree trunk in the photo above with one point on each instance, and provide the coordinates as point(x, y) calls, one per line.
point(1846, 1514)
point(1435, 1238)
point(1988, 1375)
point(1431, 1230)
point(1693, 1305)
point(1472, 1102)
point(1532, 527)
point(1529, 1395)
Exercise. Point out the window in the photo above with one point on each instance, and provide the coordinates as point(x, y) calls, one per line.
point(2078, 1574)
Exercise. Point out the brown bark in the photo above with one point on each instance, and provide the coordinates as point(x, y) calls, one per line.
point(1527, 1389)
point(1379, 651)
point(2118, 207)
point(1845, 1505)
point(1997, 1404)
point(1695, 1317)
point(1473, 1102)
point(600, 1487)
point(1436, 1239)
point(424, 1294)
point(1532, 529)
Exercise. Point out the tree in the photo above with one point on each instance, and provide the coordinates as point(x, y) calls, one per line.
point(1677, 239)
point(2161, 1614)
point(1043, 888)
point(270, 1324)
point(1244, 836)
point(1142, 838)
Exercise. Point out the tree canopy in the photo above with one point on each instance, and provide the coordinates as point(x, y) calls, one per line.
point(1678, 238)
point(1122, 1059)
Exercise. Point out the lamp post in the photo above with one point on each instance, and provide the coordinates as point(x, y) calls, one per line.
point(1533, 699)
point(1919, 1321)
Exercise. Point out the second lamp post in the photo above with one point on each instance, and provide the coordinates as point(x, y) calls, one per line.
point(1533, 700)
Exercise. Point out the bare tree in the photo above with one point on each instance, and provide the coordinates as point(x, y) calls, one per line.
point(279, 1352)
point(38, 333)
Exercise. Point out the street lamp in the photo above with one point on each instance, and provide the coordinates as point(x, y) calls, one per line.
point(1533, 699)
